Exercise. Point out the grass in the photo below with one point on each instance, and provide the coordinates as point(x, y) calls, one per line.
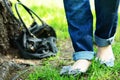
point(96, 71)
point(52, 12)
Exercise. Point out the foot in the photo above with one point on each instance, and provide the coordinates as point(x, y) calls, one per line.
point(105, 55)
point(81, 65)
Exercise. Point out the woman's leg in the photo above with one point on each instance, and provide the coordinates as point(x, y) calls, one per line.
point(107, 16)
point(80, 20)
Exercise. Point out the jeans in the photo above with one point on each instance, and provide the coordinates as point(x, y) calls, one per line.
point(80, 25)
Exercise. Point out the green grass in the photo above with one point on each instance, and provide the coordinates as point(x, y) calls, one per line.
point(96, 71)
point(52, 12)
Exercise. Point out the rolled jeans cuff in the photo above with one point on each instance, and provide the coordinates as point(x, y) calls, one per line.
point(103, 42)
point(89, 55)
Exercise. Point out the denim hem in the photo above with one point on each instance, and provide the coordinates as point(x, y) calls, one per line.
point(89, 55)
point(103, 42)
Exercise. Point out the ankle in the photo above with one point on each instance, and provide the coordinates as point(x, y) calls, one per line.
point(105, 53)
point(105, 48)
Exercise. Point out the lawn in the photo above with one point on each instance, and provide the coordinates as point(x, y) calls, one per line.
point(52, 12)
point(51, 67)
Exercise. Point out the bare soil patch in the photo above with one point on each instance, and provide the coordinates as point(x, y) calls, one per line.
point(12, 67)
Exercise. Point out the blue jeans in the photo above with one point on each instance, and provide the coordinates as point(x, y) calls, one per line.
point(80, 25)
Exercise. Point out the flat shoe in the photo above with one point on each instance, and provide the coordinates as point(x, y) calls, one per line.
point(109, 63)
point(67, 70)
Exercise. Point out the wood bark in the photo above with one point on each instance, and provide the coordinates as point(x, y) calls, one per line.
point(8, 28)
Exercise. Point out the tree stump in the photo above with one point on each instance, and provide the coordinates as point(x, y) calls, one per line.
point(8, 28)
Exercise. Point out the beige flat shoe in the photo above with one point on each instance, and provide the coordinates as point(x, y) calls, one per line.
point(80, 66)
